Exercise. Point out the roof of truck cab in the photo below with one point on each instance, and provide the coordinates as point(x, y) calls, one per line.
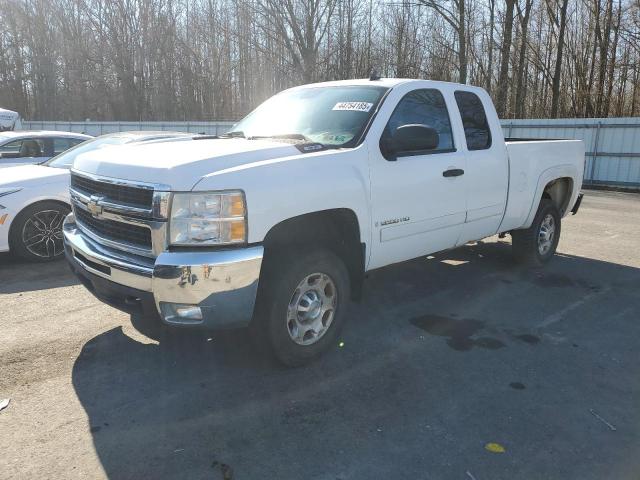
point(382, 82)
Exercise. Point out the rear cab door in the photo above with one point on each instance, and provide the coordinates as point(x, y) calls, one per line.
point(487, 163)
point(416, 208)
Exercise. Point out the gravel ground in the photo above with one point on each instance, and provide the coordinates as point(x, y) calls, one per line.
point(444, 356)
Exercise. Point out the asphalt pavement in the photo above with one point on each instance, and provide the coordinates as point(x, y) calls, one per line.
point(444, 357)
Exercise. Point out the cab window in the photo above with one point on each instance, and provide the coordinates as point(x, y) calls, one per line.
point(474, 121)
point(423, 107)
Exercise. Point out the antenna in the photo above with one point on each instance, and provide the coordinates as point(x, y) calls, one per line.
point(374, 75)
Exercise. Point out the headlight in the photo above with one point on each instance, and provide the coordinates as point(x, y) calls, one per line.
point(213, 218)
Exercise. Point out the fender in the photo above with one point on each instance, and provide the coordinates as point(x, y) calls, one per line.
point(553, 173)
point(298, 185)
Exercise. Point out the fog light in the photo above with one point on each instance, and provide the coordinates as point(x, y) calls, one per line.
point(181, 313)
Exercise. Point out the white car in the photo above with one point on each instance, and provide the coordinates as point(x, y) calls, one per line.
point(33, 147)
point(317, 186)
point(34, 199)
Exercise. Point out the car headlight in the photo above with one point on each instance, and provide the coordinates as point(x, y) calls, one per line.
point(211, 218)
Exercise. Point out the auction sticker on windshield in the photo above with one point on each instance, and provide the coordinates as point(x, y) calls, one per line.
point(353, 106)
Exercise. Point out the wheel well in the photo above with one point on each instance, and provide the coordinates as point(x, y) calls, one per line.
point(336, 229)
point(559, 192)
point(59, 202)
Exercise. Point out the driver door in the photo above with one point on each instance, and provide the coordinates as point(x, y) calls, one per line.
point(418, 197)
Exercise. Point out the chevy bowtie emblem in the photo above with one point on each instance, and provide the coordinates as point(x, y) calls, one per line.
point(94, 207)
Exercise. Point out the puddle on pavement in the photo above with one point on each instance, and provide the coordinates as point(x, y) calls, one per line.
point(463, 334)
point(528, 338)
point(517, 385)
point(553, 280)
point(459, 332)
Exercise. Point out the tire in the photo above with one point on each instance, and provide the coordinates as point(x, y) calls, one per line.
point(537, 244)
point(36, 232)
point(301, 304)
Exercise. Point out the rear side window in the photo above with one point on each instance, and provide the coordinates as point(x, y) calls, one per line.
point(424, 107)
point(62, 144)
point(474, 120)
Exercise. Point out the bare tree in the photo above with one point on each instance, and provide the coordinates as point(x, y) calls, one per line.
point(503, 79)
point(217, 59)
point(454, 13)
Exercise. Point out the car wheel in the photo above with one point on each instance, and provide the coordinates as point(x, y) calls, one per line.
point(537, 244)
point(301, 304)
point(36, 232)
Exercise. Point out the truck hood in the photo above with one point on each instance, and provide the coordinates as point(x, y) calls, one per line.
point(32, 175)
point(178, 165)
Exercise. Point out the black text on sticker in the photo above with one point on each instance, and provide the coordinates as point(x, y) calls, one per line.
point(353, 106)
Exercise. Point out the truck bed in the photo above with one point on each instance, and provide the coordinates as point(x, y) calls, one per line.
point(532, 164)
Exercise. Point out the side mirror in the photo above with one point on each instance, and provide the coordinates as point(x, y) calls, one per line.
point(407, 139)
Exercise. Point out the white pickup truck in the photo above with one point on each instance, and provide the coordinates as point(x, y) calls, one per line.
point(275, 224)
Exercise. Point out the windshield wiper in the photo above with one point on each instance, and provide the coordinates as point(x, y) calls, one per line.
point(203, 136)
point(292, 136)
point(235, 134)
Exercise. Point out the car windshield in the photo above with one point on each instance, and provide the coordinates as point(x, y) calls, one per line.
point(66, 158)
point(333, 116)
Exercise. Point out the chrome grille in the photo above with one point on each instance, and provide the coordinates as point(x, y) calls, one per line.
point(117, 231)
point(119, 214)
point(114, 192)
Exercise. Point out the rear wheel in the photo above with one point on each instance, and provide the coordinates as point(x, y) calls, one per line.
point(302, 302)
point(537, 244)
point(36, 232)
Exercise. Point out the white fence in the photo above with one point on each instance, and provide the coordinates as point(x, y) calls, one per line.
point(612, 144)
point(100, 128)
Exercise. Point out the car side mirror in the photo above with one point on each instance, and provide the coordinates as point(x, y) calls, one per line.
point(409, 139)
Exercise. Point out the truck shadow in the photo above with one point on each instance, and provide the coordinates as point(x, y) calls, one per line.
point(197, 405)
point(21, 276)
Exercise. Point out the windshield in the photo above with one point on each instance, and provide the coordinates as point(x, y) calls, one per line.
point(66, 158)
point(333, 116)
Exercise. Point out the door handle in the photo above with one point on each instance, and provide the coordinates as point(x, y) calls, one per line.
point(454, 172)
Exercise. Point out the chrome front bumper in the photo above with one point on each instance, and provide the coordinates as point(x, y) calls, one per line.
point(222, 283)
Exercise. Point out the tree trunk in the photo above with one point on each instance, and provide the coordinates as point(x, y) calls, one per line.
point(524, 22)
point(492, 7)
point(462, 41)
point(503, 79)
point(555, 90)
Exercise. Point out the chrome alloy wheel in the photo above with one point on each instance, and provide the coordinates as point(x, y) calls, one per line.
point(311, 309)
point(546, 234)
point(42, 234)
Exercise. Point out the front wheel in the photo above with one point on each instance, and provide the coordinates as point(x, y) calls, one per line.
point(537, 244)
point(302, 302)
point(36, 232)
